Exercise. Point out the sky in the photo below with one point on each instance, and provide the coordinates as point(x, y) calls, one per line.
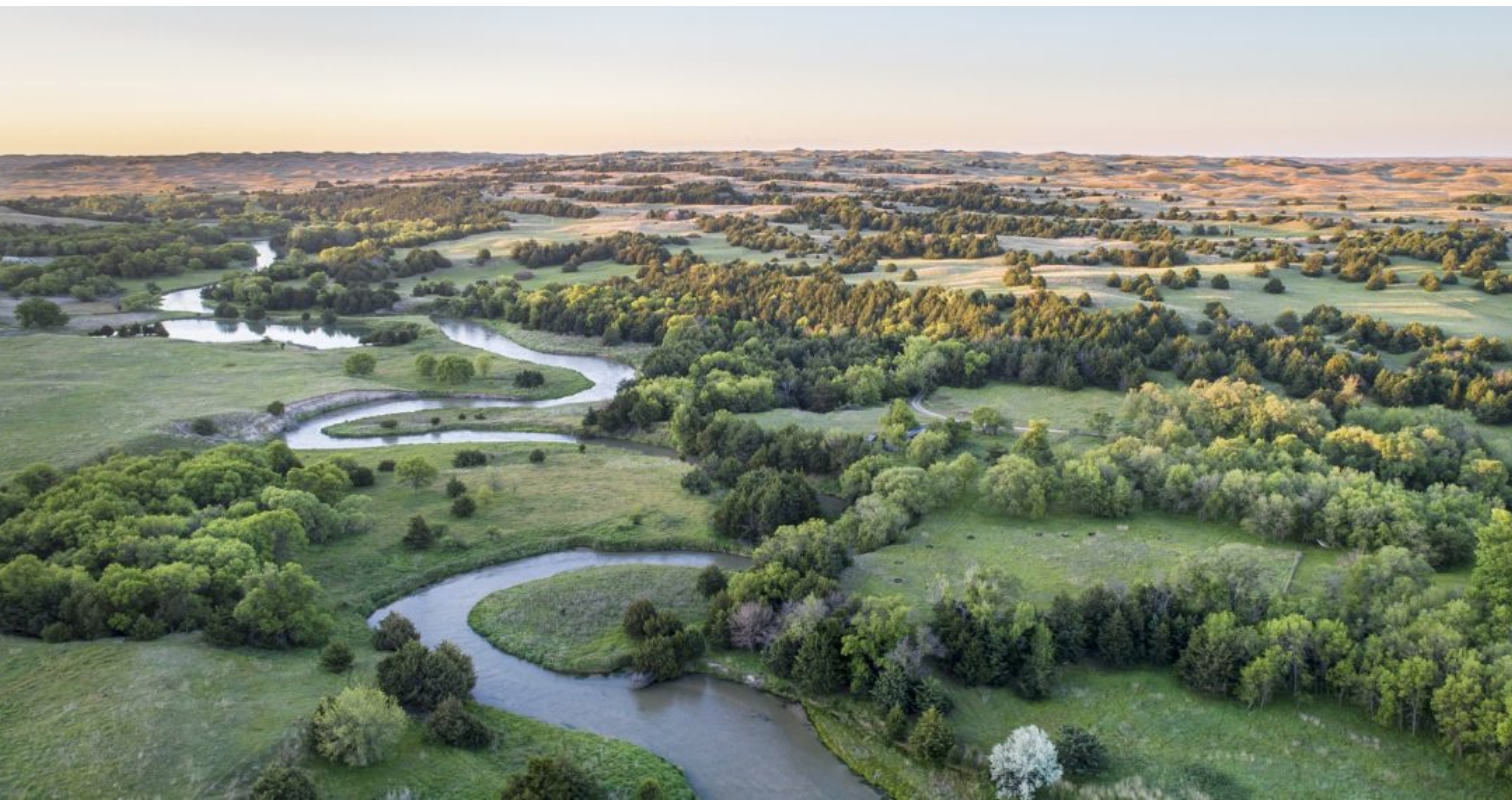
point(1301, 82)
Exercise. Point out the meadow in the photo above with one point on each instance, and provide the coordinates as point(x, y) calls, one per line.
point(571, 622)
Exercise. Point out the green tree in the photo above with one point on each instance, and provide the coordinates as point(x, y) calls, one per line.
point(358, 727)
point(454, 370)
point(551, 778)
point(987, 419)
point(425, 365)
point(278, 782)
point(482, 364)
point(416, 471)
point(419, 535)
point(1034, 443)
point(280, 608)
point(41, 314)
point(452, 724)
point(359, 364)
point(1018, 487)
point(932, 737)
point(336, 657)
point(394, 631)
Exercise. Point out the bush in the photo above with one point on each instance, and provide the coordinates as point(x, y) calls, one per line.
point(359, 364)
point(202, 426)
point(1219, 282)
point(452, 724)
point(455, 488)
point(276, 408)
point(40, 314)
point(419, 536)
point(1275, 286)
point(649, 789)
point(394, 631)
point(425, 365)
point(336, 657)
point(1082, 754)
point(358, 727)
point(386, 465)
point(463, 459)
point(697, 481)
point(712, 580)
point(538, 456)
point(932, 737)
point(278, 782)
point(422, 679)
point(529, 379)
point(388, 424)
point(463, 507)
point(637, 615)
point(551, 778)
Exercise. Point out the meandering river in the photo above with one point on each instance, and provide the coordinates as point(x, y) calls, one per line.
point(733, 742)
point(606, 376)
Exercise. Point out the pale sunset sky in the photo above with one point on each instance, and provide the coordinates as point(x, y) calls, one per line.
point(1334, 82)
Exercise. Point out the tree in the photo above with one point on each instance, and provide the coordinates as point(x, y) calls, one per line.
point(454, 370)
point(416, 471)
point(1034, 443)
point(537, 456)
point(551, 778)
point(1274, 286)
point(987, 419)
point(482, 364)
point(358, 727)
point(463, 507)
point(712, 580)
point(419, 535)
point(1024, 763)
point(1491, 578)
point(40, 314)
point(278, 782)
point(1219, 281)
point(455, 488)
point(421, 679)
point(529, 379)
point(336, 657)
point(932, 737)
point(928, 447)
point(1081, 753)
point(483, 257)
point(764, 500)
point(425, 365)
point(280, 608)
point(637, 616)
point(1017, 486)
point(394, 631)
point(359, 364)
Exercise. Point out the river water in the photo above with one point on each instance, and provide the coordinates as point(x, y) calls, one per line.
point(733, 742)
point(606, 376)
point(189, 300)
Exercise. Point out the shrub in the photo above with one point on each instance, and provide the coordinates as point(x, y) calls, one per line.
point(388, 425)
point(550, 778)
point(358, 727)
point(649, 789)
point(202, 426)
point(697, 481)
point(538, 456)
point(712, 580)
point(386, 465)
point(336, 657)
point(932, 737)
point(1081, 753)
point(452, 724)
point(425, 365)
point(469, 458)
point(463, 507)
point(394, 631)
point(40, 314)
point(1275, 286)
point(276, 408)
point(1219, 282)
point(422, 679)
point(279, 782)
point(637, 615)
point(895, 725)
point(529, 379)
point(359, 364)
point(419, 535)
point(455, 488)
point(454, 370)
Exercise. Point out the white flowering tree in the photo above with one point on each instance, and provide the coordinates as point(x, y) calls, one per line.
point(1024, 763)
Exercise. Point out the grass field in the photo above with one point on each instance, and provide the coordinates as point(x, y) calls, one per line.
point(571, 622)
point(1053, 554)
point(632, 353)
point(178, 718)
point(1181, 743)
point(552, 419)
point(1457, 309)
point(66, 398)
point(588, 499)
